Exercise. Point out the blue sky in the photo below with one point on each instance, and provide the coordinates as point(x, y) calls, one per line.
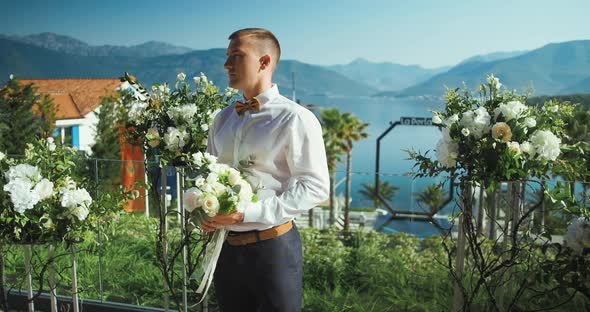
point(429, 33)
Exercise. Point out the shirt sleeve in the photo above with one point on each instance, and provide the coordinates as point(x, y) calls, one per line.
point(309, 184)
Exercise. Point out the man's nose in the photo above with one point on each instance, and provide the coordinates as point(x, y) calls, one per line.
point(227, 64)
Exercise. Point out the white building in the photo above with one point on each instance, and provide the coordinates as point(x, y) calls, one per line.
point(77, 102)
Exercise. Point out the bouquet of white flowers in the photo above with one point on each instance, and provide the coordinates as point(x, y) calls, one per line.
point(217, 189)
point(42, 198)
point(496, 137)
point(172, 123)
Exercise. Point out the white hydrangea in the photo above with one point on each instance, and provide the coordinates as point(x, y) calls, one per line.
point(184, 112)
point(136, 111)
point(546, 145)
point(477, 121)
point(75, 197)
point(175, 139)
point(23, 172)
point(21, 195)
point(510, 110)
point(578, 235)
point(452, 119)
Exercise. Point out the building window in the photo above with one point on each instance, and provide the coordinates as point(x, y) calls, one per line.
point(69, 136)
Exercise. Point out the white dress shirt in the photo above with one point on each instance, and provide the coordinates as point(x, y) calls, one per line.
point(281, 149)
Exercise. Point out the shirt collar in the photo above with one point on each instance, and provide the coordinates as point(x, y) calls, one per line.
point(268, 95)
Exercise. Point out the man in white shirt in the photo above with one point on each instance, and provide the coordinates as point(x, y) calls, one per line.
point(279, 144)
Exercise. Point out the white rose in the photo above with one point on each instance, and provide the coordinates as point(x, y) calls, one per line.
point(234, 176)
point(51, 144)
point(436, 120)
point(245, 191)
point(192, 199)
point(210, 205)
point(546, 144)
point(180, 77)
point(530, 122)
point(210, 158)
point(175, 139)
point(527, 148)
point(212, 177)
point(510, 110)
point(70, 183)
point(11, 76)
point(2, 155)
point(204, 127)
point(198, 159)
point(218, 188)
point(494, 82)
point(452, 119)
point(514, 147)
point(199, 181)
point(447, 152)
point(80, 212)
point(465, 132)
point(44, 189)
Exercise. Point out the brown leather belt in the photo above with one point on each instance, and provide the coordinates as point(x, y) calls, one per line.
point(251, 237)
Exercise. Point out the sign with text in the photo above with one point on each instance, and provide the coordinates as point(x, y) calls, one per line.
point(416, 121)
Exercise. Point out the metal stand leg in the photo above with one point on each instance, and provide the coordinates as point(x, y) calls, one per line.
point(28, 271)
point(52, 287)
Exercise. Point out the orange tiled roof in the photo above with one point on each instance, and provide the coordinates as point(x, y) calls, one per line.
point(74, 98)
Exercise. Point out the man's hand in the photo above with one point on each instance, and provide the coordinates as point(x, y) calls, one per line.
point(222, 220)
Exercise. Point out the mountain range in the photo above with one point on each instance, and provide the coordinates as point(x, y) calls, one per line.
point(555, 68)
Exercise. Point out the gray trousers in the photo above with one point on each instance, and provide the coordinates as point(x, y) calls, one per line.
point(261, 277)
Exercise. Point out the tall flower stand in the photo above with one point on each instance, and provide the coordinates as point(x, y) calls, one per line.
point(504, 207)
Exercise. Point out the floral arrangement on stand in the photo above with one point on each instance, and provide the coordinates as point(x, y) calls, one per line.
point(495, 137)
point(172, 126)
point(491, 139)
point(44, 197)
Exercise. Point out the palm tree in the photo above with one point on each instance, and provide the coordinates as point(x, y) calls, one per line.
point(432, 196)
point(352, 130)
point(331, 123)
point(386, 191)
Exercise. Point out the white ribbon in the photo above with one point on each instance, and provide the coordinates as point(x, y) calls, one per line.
point(212, 253)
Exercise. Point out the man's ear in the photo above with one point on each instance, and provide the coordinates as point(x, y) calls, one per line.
point(265, 61)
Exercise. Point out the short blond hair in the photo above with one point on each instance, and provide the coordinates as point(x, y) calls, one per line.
point(269, 43)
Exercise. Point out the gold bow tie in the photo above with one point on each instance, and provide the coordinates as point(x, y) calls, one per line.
point(252, 104)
